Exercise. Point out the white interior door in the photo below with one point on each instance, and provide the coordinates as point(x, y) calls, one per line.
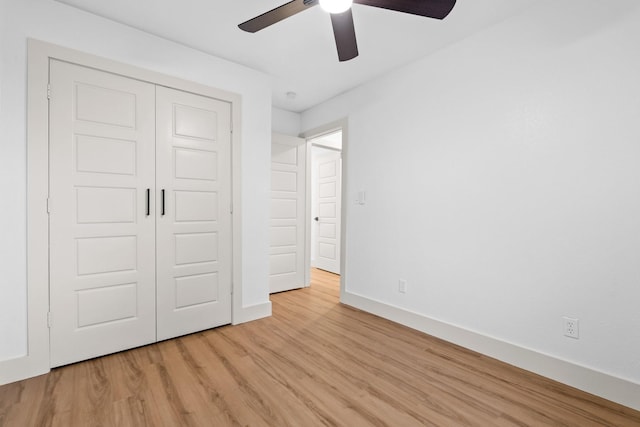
point(194, 212)
point(288, 198)
point(327, 192)
point(102, 260)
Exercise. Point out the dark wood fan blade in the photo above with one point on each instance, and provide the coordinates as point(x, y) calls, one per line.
point(438, 9)
point(276, 15)
point(345, 34)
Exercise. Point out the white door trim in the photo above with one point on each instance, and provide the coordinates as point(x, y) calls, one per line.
point(36, 361)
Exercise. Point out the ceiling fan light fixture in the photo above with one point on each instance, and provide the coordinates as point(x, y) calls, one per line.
point(336, 6)
point(344, 30)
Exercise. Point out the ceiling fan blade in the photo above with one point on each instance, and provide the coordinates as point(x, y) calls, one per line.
point(276, 15)
point(345, 33)
point(438, 9)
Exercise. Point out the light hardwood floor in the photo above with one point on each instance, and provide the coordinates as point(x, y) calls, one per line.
point(313, 363)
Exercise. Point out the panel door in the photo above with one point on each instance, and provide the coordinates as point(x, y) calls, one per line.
point(288, 198)
point(327, 200)
point(194, 204)
point(102, 261)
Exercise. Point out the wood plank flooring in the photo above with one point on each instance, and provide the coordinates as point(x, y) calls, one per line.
point(313, 363)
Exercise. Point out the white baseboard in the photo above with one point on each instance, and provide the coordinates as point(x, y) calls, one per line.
point(598, 383)
point(252, 312)
point(21, 368)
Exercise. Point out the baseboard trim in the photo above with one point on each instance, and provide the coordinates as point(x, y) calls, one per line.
point(252, 312)
point(20, 368)
point(598, 383)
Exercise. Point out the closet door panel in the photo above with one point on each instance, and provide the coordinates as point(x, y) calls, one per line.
point(194, 192)
point(102, 263)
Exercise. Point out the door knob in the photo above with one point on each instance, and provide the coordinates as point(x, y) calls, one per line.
point(316, 219)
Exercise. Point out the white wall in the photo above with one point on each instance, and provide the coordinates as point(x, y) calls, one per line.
point(56, 23)
point(285, 122)
point(503, 182)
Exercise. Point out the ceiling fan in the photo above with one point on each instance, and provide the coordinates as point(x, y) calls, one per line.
point(342, 19)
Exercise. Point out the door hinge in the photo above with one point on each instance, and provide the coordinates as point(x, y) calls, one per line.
point(49, 321)
point(231, 209)
point(48, 91)
point(48, 205)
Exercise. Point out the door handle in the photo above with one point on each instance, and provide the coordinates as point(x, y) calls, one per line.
point(316, 219)
point(162, 210)
point(148, 201)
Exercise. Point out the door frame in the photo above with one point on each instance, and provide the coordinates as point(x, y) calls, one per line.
point(39, 53)
point(338, 125)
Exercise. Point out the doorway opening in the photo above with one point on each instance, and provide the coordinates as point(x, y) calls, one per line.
point(307, 224)
point(325, 198)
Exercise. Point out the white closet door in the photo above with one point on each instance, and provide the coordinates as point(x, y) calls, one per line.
point(194, 224)
point(102, 263)
point(288, 213)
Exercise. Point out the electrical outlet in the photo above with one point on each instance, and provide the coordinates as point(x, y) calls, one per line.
point(402, 286)
point(571, 327)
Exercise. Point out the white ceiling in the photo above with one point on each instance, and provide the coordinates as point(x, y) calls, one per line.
point(299, 52)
